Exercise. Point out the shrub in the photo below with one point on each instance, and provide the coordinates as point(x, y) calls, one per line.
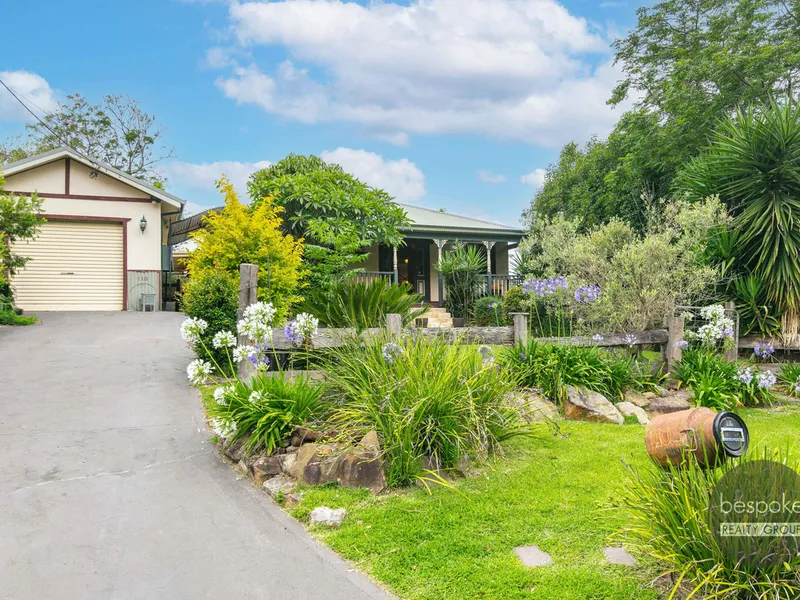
point(552, 368)
point(361, 305)
point(461, 269)
point(789, 378)
point(267, 408)
point(720, 384)
point(9, 317)
point(428, 401)
point(214, 298)
point(513, 302)
point(488, 311)
point(669, 521)
point(239, 235)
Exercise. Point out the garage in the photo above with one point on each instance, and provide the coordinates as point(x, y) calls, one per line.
point(75, 265)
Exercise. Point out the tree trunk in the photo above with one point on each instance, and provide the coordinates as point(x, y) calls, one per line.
point(790, 328)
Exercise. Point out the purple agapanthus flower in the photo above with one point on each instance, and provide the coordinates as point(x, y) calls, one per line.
point(391, 351)
point(259, 357)
point(682, 344)
point(292, 333)
point(587, 293)
point(544, 287)
point(763, 350)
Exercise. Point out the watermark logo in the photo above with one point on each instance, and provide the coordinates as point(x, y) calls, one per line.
point(754, 513)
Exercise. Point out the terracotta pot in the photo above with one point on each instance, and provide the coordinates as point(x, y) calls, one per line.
point(698, 433)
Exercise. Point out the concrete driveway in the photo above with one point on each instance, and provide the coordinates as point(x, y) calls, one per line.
point(109, 488)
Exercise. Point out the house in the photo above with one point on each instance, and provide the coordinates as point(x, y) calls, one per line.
point(431, 232)
point(103, 246)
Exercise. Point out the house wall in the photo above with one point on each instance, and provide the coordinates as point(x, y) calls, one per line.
point(501, 258)
point(372, 263)
point(49, 178)
point(434, 274)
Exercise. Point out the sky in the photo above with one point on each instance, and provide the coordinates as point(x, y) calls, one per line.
point(454, 104)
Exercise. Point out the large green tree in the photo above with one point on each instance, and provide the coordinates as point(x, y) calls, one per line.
point(117, 132)
point(338, 216)
point(687, 64)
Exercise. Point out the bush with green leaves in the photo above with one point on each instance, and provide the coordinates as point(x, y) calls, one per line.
point(430, 402)
point(789, 378)
point(462, 269)
point(359, 304)
point(553, 367)
point(513, 302)
point(668, 511)
point(720, 384)
point(266, 408)
point(213, 297)
point(488, 312)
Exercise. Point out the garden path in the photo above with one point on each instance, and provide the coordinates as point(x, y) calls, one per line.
point(111, 489)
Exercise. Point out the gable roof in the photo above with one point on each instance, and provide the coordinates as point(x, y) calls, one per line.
point(62, 152)
point(431, 222)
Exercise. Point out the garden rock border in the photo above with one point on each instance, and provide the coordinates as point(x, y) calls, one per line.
point(583, 404)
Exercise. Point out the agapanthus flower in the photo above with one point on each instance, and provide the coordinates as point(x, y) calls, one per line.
point(198, 371)
point(258, 356)
point(224, 428)
point(630, 340)
point(587, 293)
point(597, 337)
point(766, 379)
point(544, 287)
point(796, 385)
point(522, 356)
point(242, 353)
point(763, 350)
point(192, 329)
point(682, 344)
point(486, 353)
point(745, 375)
point(255, 398)
point(714, 312)
point(223, 339)
point(391, 351)
point(256, 323)
point(292, 333)
point(302, 329)
point(221, 394)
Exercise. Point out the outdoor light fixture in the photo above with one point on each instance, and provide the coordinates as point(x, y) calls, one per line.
point(143, 224)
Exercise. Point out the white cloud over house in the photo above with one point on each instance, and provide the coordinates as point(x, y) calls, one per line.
point(401, 179)
point(513, 69)
point(535, 178)
point(203, 176)
point(32, 89)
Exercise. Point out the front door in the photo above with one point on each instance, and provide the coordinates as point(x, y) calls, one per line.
point(414, 266)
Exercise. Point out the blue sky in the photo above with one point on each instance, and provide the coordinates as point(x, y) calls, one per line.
point(455, 104)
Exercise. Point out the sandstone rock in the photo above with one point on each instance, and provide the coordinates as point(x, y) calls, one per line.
point(534, 408)
point(327, 516)
point(318, 464)
point(672, 402)
point(236, 450)
point(590, 406)
point(246, 466)
point(266, 467)
point(303, 435)
point(637, 399)
point(628, 409)
point(370, 442)
point(277, 485)
point(533, 556)
point(287, 461)
point(292, 499)
point(619, 556)
point(650, 395)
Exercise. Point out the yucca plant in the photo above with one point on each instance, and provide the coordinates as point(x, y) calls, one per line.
point(461, 269)
point(753, 163)
point(429, 401)
point(789, 378)
point(668, 519)
point(361, 305)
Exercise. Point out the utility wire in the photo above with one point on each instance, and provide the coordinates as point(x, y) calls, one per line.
point(95, 164)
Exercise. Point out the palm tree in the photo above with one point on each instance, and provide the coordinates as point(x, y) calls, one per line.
point(753, 163)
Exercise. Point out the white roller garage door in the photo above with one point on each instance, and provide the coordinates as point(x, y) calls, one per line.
point(75, 265)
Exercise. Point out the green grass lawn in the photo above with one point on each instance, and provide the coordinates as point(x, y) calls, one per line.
point(550, 491)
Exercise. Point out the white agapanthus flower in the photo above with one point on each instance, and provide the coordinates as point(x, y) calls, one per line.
point(224, 339)
point(192, 329)
point(221, 394)
point(198, 371)
point(241, 353)
point(255, 398)
point(224, 428)
point(303, 328)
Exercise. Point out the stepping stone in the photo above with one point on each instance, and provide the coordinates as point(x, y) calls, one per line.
point(619, 556)
point(532, 556)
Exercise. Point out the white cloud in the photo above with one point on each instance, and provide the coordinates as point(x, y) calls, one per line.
point(517, 69)
point(535, 178)
point(489, 177)
point(32, 89)
point(399, 178)
point(202, 176)
point(398, 138)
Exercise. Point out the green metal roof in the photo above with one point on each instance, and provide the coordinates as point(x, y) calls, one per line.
point(430, 223)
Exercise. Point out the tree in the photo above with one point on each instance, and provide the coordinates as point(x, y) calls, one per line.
point(753, 163)
point(337, 215)
point(239, 235)
point(117, 132)
point(687, 64)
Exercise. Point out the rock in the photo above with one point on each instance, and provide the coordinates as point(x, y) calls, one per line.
point(318, 464)
point(370, 442)
point(236, 450)
point(287, 461)
point(590, 406)
point(532, 407)
point(628, 409)
point(245, 466)
point(277, 485)
point(305, 435)
point(463, 466)
point(266, 467)
point(292, 499)
point(637, 399)
point(533, 556)
point(619, 556)
point(327, 516)
point(672, 402)
point(650, 395)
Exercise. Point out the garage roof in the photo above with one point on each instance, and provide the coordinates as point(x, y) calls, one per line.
point(62, 152)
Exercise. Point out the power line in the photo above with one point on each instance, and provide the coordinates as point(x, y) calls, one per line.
point(94, 163)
